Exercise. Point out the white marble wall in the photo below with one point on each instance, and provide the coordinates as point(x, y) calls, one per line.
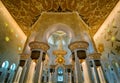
point(108, 35)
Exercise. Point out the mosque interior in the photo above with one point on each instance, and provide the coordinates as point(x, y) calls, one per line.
point(60, 41)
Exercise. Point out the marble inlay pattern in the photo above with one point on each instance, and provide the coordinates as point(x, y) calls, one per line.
point(26, 12)
point(107, 39)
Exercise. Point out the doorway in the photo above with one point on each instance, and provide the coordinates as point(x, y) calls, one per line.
point(60, 77)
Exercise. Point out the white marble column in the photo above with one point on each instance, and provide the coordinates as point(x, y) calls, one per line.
point(95, 73)
point(75, 74)
point(118, 69)
point(38, 72)
point(66, 77)
point(115, 69)
point(31, 73)
point(105, 71)
point(50, 78)
point(117, 65)
point(101, 75)
point(114, 78)
point(108, 75)
point(18, 74)
point(69, 78)
point(53, 78)
point(11, 76)
point(45, 78)
point(25, 70)
point(22, 77)
point(78, 69)
point(86, 72)
point(94, 76)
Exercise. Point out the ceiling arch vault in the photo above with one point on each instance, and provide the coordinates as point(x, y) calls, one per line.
point(69, 22)
point(59, 41)
point(27, 12)
point(58, 27)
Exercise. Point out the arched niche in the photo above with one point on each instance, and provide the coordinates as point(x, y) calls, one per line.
point(60, 71)
point(13, 67)
point(58, 27)
point(5, 64)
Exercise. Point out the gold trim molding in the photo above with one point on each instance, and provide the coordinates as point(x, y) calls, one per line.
point(24, 57)
point(59, 52)
point(78, 45)
point(39, 45)
point(95, 56)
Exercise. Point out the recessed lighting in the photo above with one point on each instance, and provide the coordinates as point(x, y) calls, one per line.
point(16, 35)
point(113, 38)
point(6, 24)
point(7, 39)
point(11, 30)
point(19, 48)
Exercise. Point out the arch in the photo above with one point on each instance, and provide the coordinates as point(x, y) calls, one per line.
point(60, 65)
point(60, 74)
point(13, 67)
point(58, 27)
point(60, 70)
point(5, 64)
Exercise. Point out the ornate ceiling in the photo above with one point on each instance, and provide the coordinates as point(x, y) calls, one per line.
point(26, 12)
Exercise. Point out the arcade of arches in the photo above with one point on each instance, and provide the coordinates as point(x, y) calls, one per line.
point(60, 48)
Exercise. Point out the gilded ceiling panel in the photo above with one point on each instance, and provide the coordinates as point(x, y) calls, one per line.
point(93, 12)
